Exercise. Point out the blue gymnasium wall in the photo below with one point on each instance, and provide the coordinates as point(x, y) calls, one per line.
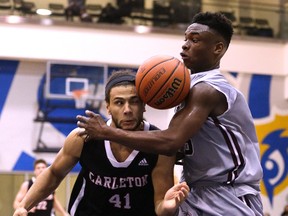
point(64, 109)
point(268, 106)
point(7, 72)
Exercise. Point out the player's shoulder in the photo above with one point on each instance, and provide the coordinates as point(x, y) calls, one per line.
point(75, 136)
point(25, 185)
point(205, 91)
point(76, 131)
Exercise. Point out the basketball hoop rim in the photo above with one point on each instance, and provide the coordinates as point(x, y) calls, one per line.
point(79, 93)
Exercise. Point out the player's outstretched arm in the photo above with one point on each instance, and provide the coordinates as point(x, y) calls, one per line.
point(201, 102)
point(156, 141)
point(172, 200)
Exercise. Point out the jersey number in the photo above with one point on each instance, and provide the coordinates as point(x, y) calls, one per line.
point(116, 201)
point(42, 205)
point(188, 148)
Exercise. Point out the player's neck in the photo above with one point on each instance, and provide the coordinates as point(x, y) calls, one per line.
point(120, 152)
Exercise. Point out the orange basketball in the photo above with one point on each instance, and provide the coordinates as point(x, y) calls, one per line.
point(162, 81)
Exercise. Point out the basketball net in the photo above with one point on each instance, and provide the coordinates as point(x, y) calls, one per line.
point(80, 96)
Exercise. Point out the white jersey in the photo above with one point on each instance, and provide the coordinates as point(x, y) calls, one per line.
point(225, 150)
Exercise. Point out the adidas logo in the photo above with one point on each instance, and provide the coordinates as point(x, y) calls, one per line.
point(143, 162)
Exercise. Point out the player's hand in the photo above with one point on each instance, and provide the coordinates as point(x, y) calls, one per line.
point(175, 196)
point(20, 212)
point(93, 124)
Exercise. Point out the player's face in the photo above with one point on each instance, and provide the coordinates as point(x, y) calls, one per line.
point(198, 51)
point(125, 107)
point(39, 168)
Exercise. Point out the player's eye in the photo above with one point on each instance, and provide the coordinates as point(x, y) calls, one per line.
point(195, 40)
point(118, 102)
point(135, 101)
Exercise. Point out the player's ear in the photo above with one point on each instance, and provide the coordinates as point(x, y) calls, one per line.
point(108, 108)
point(219, 48)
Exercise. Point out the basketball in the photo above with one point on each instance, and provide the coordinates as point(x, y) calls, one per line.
point(162, 81)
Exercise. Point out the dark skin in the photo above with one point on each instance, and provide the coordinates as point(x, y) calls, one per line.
point(200, 52)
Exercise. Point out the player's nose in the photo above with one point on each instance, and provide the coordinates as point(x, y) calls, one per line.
point(127, 108)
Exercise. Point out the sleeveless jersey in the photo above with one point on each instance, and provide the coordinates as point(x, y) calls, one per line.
point(45, 207)
point(106, 187)
point(225, 149)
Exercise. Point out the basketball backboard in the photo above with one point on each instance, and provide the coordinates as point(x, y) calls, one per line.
point(63, 78)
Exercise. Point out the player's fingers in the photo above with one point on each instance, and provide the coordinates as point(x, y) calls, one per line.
point(182, 195)
point(182, 192)
point(81, 125)
point(185, 186)
point(91, 114)
point(81, 118)
point(185, 191)
point(181, 185)
point(178, 186)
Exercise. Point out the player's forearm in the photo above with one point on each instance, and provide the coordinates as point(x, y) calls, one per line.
point(165, 142)
point(148, 141)
point(16, 204)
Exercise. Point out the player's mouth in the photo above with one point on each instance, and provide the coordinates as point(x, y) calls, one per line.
point(184, 56)
point(127, 122)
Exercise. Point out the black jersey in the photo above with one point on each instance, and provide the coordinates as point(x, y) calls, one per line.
point(43, 208)
point(106, 187)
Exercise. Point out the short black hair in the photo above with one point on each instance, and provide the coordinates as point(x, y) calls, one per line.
point(117, 78)
point(216, 21)
point(39, 161)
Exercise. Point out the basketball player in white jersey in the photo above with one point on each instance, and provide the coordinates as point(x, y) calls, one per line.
point(214, 126)
point(114, 180)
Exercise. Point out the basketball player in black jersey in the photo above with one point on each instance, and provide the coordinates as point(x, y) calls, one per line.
point(114, 180)
point(46, 206)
